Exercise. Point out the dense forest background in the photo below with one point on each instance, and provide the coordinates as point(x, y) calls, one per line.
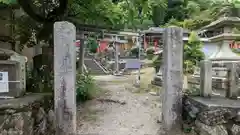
point(130, 14)
point(37, 22)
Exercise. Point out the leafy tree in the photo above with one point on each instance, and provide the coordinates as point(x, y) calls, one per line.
point(8, 2)
point(92, 45)
point(192, 53)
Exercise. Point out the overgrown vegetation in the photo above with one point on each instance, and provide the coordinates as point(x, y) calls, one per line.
point(150, 53)
point(85, 87)
point(92, 45)
point(39, 80)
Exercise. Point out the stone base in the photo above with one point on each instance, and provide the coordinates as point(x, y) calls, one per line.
point(157, 80)
point(29, 115)
point(212, 116)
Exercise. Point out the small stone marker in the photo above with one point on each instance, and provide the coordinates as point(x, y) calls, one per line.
point(65, 78)
point(233, 90)
point(173, 81)
point(206, 78)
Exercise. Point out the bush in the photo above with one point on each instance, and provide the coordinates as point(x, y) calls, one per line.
point(192, 53)
point(39, 80)
point(85, 87)
point(134, 51)
point(92, 45)
point(150, 53)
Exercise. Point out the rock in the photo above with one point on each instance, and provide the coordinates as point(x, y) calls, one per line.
point(237, 119)
point(215, 117)
point(51, 116)
point(28, 123)
point(154, 93)
point(41, 121)
point(18, 121)
point(235, 129)
point(42, 127)
point(28, 114)
point(40, 115)
point(210, 130)
point(4, 132)
point(10, 111)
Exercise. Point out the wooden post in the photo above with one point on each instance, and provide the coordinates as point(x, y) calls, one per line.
point(65, 78)
point(116, 45)
point(232, 91)
point(206, 78)
point(81, 54)
point(172, 81)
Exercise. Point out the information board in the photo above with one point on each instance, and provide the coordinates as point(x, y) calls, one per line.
point(4, 86)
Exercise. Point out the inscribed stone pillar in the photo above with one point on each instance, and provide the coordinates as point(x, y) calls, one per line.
point(172, 81)
point(65, 77)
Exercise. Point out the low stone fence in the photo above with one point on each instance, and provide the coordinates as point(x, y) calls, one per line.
point(31, 114)
point(215, 116)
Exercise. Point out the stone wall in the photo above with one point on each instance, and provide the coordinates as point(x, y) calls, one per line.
point(211, 116)
point(29, 115)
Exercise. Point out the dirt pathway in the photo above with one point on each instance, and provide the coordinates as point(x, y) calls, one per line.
point(119, 111)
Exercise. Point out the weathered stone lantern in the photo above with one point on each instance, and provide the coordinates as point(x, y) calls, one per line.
point(224, 48)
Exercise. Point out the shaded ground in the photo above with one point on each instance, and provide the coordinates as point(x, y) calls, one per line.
point(121, 110)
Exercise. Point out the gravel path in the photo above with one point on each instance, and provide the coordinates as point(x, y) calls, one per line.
point(119, 111)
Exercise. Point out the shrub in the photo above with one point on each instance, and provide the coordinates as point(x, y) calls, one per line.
point(92, 45)
point(134, 51)
point(85, 87)
point(39, 80)
point(192, 53)
point(150, 53)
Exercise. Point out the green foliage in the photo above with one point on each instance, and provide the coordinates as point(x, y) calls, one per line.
point(92, 45)
point(8, 2)
point(134, 51)
point(85, 87)
point(150, 53)
point(158, 14)
point(192, 53)
point(236, 31)
point(39, 80)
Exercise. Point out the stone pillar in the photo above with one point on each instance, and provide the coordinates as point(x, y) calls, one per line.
point(65, 78)
point(116, 44)
point(172, 81)
point(233, 90)
point(206, 78)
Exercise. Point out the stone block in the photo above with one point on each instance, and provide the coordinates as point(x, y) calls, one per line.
point(203, 129)
point(212, 116)
point(26, 115)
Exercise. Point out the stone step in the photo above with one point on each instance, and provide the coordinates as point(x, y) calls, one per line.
point(94, 67)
